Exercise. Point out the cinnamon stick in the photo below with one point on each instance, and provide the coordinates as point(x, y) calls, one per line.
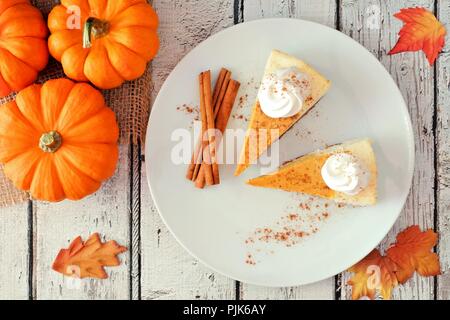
point(210, 149)
point(220, 80)
point(224, 111)
point(196, 160)
point(223, 116)
point(207, 168)
point(219, 92)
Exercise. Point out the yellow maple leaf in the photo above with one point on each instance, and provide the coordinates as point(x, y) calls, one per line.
point(87, 260)
point(374, 272)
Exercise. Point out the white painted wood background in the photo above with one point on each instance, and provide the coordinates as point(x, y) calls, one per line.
point(156, 267)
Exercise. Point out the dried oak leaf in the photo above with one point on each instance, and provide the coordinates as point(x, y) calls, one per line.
point(413, 252)
point(87, 260)
point(374, 272)
point(422, 31)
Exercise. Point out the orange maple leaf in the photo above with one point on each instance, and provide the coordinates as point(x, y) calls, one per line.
point(374, 272)
point(412, 252)
point(422, 31)
point(87, 260)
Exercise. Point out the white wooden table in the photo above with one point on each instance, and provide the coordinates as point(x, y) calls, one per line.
point(156, 267)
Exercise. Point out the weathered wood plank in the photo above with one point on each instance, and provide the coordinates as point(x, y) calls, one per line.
point(321, 11)
point(14, 253)
point(324, 12)
point(168, 271)
point(56, 225)
point(323, 290)
point(415, 78)
point(443, 156)
point(135, 221)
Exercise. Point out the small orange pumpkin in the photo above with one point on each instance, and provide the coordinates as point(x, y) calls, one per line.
point(104, 42)
point(58, 140)
point(23, 45)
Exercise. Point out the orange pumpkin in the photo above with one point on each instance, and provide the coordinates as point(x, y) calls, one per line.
point(58, 140)
point(23, 45)
point(104, 42)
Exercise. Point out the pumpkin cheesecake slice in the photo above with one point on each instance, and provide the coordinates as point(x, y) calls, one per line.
point(346, 173)
point(289, 89)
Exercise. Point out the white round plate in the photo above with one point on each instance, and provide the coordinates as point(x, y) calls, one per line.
point(213, 224)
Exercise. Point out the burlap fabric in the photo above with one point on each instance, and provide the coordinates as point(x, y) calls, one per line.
point(130, 102)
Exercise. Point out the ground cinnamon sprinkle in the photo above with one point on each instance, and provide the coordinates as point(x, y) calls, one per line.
point(323, 216)
point(240, 117)
point(304, 206)
point(250, 260)
point(287, 236)
point(291, 228)
point(302, 218)
point(242, 103)
point(193, 110)
point(309, 99)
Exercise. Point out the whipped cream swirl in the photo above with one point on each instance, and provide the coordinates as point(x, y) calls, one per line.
point(282, 94)
point(345, 173)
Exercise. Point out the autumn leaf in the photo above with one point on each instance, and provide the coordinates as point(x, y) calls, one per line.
point(412, 252)
point(422, 31)
point(374, 272)
point(87, 260)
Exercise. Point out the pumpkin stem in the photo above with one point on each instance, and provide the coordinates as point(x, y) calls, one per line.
point(94, 27)
point(50, 142)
